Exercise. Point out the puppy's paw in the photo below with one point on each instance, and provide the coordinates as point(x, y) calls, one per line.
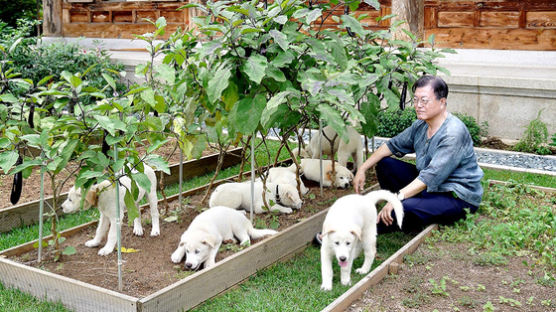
point(138, 231)
point(326, 286)
point(176, 257)
point(362, 271)
point(155, 232)
point(346, 283)
point(287, 210)
point(92, 243)
point(104, 251)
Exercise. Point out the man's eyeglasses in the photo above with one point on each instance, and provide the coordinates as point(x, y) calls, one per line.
point(423, 101)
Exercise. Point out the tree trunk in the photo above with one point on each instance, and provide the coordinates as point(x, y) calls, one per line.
point(411, 11)
point(52, 18)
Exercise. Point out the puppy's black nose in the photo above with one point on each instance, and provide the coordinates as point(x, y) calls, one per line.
point(342, 258)
point(188, 265)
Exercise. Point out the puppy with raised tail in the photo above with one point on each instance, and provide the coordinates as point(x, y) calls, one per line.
point(202, 239)
point(349, 226)
point(103, 196)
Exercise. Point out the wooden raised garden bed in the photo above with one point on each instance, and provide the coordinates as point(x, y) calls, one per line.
point(186, 292)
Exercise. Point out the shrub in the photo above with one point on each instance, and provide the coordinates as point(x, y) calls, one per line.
point(535, 135)
point(11, 11)
point(553, 140)
point(393, 121)
point(36, 62)
point(474, 128)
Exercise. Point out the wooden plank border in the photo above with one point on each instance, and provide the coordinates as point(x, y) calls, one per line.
point(72, 293)
point(376, 275)
point(28, 213)
point(197, 288)
point(539, 188)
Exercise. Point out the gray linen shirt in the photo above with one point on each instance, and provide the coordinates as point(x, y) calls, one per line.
point(446, 162)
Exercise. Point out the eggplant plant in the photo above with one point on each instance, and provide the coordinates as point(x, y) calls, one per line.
point(51, 126)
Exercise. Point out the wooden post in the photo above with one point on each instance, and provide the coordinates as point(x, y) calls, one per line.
point(52, 18)
point(411, 11)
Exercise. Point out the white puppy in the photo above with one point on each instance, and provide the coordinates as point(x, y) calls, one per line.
point(350, 225)
point(353, 147)
point(283, 175)
point(238, 195)
point(103, 196)
point(311, 170)
point(202, 239)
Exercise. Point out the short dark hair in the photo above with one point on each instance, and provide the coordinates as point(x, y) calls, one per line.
point(438, 85)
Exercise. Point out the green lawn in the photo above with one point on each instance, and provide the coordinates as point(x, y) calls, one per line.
point(274, 289)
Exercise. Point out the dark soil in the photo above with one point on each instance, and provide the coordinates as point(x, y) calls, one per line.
point(495, 143)
point(151, 269)
point(468, 286)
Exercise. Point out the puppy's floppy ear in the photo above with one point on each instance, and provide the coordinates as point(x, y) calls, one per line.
point(328, 175)
point(327, 232)
point(356, 233)
point(210, 241)
point(91, 197)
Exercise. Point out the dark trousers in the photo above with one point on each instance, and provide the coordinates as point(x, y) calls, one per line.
point(422, 209)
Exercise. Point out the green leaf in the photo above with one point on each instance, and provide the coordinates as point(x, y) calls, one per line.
point(313, 15)
point(272, 107)
point(275, 73)
point(44, 244)
point(157, 163)
point(26, 166)
point(132, 211)
point(110, 125)
point(32, 139)
point(230, 95)
point(67, 151)
point(374, 3)
point(142, 180)
point(251, 30)
point(369, 109)
point(8, 160)
point(282, 19)
point(283, 58)
point(155, 145)
point(8, 98)
point(218, 83)
point(88, 175)
point(148, 96)
point(354, 25)
point(69, 250)
point(300, 13)
point(166, 73)
point(110, 80)
point(255, 68)
point(4, 142)
point(248, 113)
point(333, 118)
point(280, 38)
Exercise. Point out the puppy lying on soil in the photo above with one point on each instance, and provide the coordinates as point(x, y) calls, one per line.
point(311, 171)
point(103, 196)
point(283, 175)
point(238, 195)
point(202, 239)
point(349, 226)
point(353, 147)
